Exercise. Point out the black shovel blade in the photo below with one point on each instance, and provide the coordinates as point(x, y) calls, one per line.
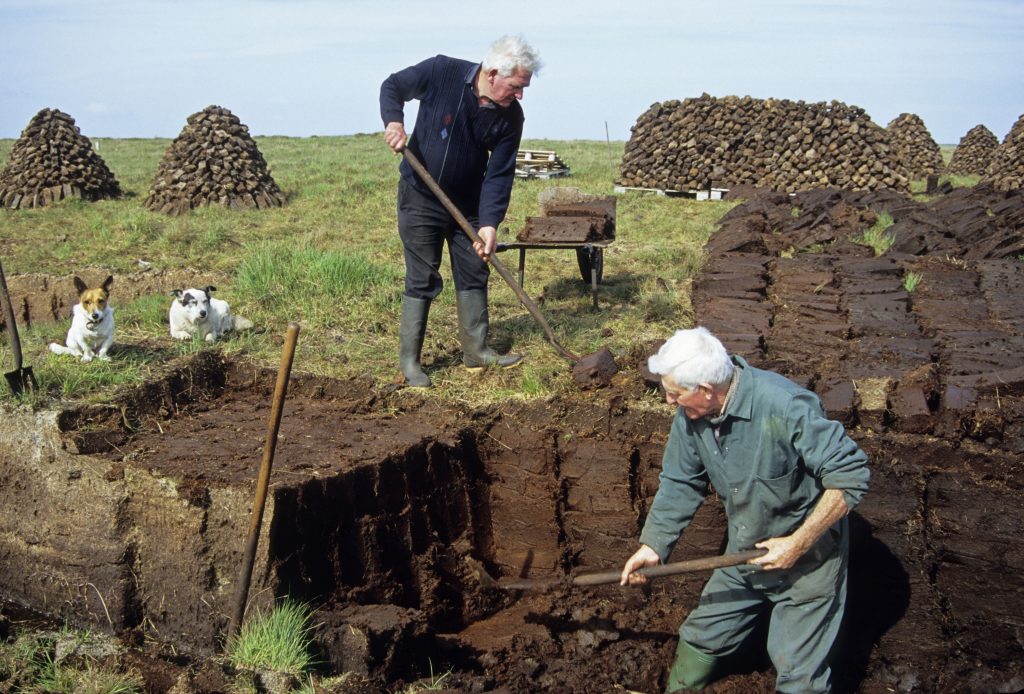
point(21, 380)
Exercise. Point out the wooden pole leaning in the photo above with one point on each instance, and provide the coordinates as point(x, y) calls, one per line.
point(263, 482)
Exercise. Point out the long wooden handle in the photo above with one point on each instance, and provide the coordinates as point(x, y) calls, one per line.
point(679, 567)
point(454, 211)
point(262, 484)
point(12, 327)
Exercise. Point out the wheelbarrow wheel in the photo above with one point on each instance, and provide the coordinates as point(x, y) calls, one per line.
point(590, 257)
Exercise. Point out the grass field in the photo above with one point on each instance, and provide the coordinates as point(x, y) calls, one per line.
point(331, 259)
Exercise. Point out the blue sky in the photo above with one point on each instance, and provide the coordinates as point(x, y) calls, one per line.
point(313, 67)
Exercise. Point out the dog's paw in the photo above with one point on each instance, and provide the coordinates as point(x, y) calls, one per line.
point(103, 357)
point(86, 358)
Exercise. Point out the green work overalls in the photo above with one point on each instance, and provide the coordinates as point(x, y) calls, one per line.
point(772, 456)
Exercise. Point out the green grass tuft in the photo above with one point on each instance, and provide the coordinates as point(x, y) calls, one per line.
point(279, 640)
point(911, 281)
point(531, 384)
point(877, 237)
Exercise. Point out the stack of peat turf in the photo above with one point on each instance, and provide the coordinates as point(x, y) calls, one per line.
point(53, 160)
point(974, 153)
point(1006, 172)
point(914, 147)
point(569, 216)
point(213, 161)
point(772, 143)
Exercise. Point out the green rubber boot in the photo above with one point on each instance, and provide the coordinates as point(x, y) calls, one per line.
point(473, 326)
point(410, 340)
point(692, 670)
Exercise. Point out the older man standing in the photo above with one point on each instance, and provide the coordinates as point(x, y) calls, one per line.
point(467, 134)
point(788, 476)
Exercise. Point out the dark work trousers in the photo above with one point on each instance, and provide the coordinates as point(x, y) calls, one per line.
point(424, 225)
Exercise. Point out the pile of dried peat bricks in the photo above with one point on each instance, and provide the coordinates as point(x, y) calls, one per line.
point(973, 155)
point(213, 161)
point(914, 147)
point(51, 161)
point(1006, 172)
point(773, 143)
point(790, 146)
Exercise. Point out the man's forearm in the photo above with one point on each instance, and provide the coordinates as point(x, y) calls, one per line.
point(783, 552)
point(829, 509)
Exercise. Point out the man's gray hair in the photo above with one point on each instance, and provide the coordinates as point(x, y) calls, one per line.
point(509, 53)
point(692, 357)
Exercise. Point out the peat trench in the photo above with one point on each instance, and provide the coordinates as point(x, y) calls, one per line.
point(131, 518)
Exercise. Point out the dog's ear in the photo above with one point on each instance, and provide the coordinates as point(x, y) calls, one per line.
point(108, 283)
point(176, 293)
point(209, 289)
point(80, 286)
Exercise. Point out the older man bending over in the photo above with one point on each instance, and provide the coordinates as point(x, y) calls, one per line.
point(788, 476)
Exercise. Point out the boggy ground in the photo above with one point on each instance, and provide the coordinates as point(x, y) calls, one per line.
point(379, 496)
point(372, 518)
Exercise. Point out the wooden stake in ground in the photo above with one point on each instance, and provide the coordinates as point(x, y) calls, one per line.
point(245, 575)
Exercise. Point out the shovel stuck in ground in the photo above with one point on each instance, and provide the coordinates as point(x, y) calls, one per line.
point(22, 378)
point(597, 579)
point(600, 364)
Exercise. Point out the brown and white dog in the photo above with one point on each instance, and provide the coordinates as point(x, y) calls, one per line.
point(92, 323)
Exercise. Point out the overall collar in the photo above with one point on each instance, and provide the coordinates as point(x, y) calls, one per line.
point(737, 402)
point(741, 402)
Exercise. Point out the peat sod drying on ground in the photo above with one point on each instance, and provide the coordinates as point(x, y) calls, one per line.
point(918, 353)
point(132, 517)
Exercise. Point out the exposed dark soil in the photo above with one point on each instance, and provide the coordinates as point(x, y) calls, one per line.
point(379, 496)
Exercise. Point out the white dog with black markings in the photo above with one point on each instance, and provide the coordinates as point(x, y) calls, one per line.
point(92, 323)
point(196, 312)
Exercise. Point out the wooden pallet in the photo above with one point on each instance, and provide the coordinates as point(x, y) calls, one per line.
point(539, 163)
point(705, 194)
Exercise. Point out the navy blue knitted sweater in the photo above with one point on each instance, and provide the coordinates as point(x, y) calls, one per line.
point(453, 135)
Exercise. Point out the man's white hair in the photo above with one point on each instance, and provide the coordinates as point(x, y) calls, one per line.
point(692, 357)
point(509, 53)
